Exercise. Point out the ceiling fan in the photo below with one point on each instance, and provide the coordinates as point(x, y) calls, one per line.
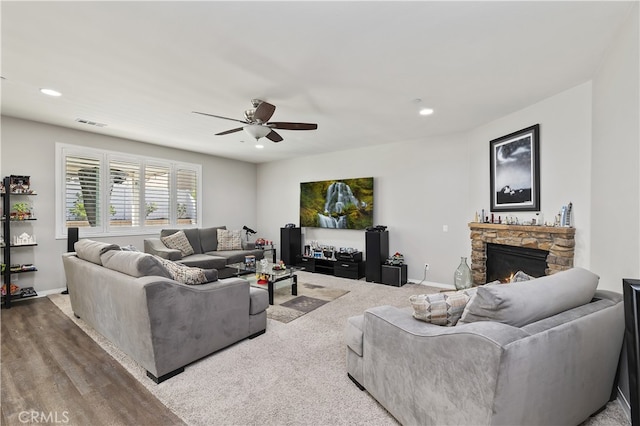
point(257, 123)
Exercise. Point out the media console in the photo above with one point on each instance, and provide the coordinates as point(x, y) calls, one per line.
point(353, 269)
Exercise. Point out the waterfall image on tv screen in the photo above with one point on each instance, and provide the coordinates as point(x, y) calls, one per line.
point(342, 204)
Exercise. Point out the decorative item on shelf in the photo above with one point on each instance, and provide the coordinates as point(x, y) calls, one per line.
point(19, 184)
point(21, 211)
point(397, 259)
point(23, 239)
point(261, 242)
point(262, 278)
point(280, 266)
point(14, 289)
point(250, 260)
point(462, 276)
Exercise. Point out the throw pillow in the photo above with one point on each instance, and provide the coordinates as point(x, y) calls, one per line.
point(522, 303)
point(188, 275)
point(441, 308)
point(229, 240)
point(178, 241)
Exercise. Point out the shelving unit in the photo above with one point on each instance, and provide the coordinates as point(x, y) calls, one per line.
point(7, 247)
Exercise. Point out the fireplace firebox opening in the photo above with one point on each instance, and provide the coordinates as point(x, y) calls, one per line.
point(503, 261)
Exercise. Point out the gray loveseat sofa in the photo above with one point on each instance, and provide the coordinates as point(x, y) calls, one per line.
point(160, 323)
point(539, 352)
point(204, 242)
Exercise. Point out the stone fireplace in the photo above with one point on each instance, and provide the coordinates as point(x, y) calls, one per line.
point(558, 241)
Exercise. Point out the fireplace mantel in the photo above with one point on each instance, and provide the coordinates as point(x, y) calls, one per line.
point(559, 241)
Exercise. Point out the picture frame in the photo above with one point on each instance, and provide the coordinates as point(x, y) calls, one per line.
point(515, 171)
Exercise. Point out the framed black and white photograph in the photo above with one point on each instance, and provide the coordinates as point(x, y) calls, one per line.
point(515, 171)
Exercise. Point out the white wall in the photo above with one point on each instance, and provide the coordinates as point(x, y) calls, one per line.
point(28, 148)
point(565, 159)
point(419, 186)
point(615, 226)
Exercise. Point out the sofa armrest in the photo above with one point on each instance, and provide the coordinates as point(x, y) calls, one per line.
point(216, 315)
point(455, 369)
point(156, 247)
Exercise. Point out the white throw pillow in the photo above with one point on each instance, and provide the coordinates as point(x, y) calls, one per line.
point(178, 241)
point(188, 275)
point(441, 308)
point(229, 240)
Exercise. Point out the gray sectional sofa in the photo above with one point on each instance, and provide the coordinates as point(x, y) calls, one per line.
point(539, 352)
point(204, 242)
point(163, 325)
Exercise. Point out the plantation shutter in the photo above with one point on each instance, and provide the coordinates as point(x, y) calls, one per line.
point(124, 197)
point(157, 195)
point(186, 196)
point(82, 191)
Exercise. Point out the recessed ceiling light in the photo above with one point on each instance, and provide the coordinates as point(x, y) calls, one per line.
point(259, 146)
point(50, 92)
point(426, 111)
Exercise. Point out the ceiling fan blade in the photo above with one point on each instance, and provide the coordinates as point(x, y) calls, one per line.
point(292, 126)
point(229, 131)
point(274, 137)
point(219, 116)
point(264, 111)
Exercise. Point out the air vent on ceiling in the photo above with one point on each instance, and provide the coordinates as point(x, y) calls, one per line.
point(90, 123)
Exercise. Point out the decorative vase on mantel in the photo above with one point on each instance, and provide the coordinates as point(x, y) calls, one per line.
point(462, 276)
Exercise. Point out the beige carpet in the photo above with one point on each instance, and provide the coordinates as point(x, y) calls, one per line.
point(294, 374)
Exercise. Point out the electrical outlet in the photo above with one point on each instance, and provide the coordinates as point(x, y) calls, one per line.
point(426, 266)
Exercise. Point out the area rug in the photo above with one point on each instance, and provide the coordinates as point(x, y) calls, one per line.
point(287, 307)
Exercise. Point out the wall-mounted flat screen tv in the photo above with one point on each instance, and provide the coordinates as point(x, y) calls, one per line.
point(341, 204)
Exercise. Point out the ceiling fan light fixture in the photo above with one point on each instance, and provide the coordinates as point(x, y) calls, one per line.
point(257, 131)
point(259, 146)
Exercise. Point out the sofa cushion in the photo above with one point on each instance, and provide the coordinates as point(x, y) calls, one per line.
point(91, 251)
point(209, 238)
point(204, 261)
point(229, 239)
point(441, 308)
point(178, 241)
point(188, 275)
point(133, 263)
point(522, 303)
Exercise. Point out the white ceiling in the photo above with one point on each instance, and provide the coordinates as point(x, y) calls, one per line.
point(355, 68)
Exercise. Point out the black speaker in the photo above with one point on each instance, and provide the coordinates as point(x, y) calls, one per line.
point(377, 246)
point(290, 245)
point(72, 238)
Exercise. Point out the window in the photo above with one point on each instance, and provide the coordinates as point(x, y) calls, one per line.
point(110, 193)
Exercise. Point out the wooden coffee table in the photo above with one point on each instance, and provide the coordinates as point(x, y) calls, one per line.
point(273, 275)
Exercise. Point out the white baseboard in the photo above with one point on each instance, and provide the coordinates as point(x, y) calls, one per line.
point(434, 284)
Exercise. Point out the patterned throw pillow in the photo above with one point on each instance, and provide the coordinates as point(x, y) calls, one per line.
point(229, 240)
point(178, 241)
point(441, 308)
point(188, 275)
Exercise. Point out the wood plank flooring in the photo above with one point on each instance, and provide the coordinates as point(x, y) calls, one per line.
point(53, 373)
